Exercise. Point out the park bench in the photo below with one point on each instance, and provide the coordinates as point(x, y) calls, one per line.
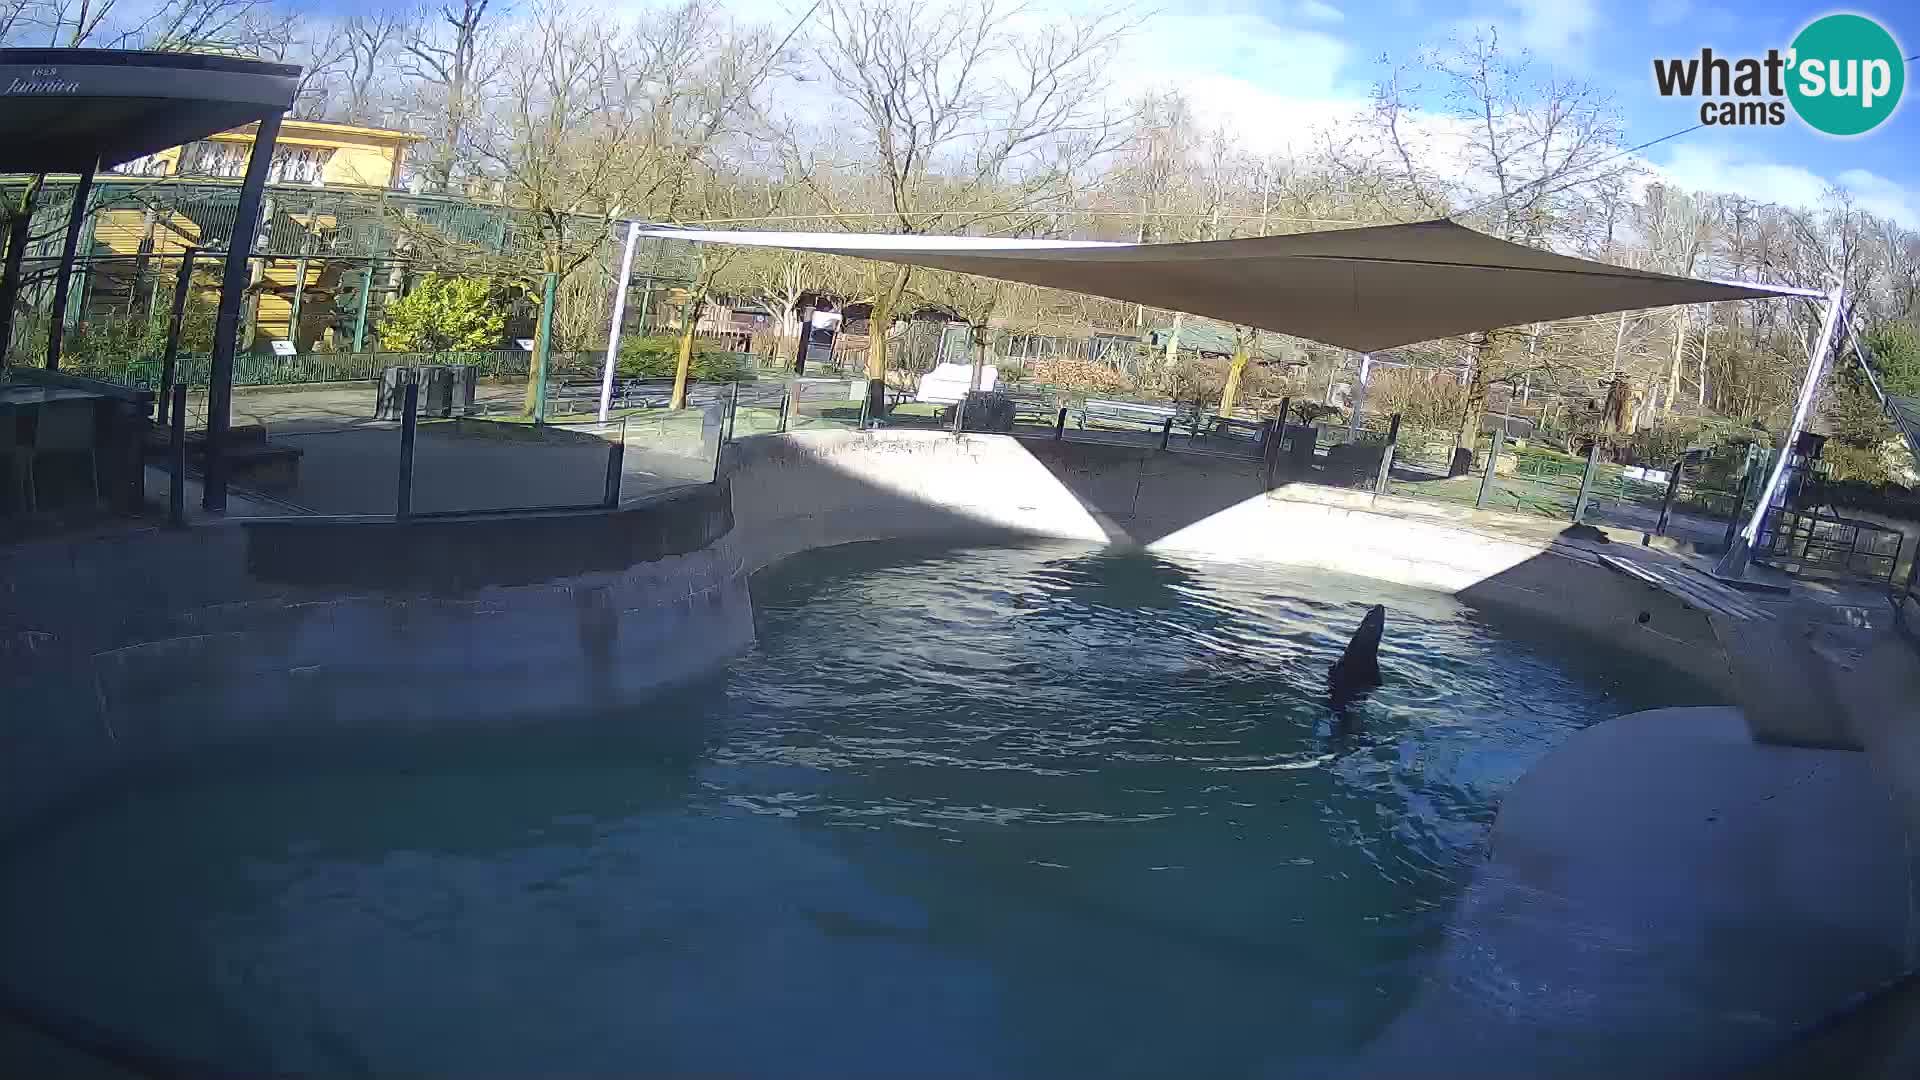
point(1036, 403)
point(1135, 412)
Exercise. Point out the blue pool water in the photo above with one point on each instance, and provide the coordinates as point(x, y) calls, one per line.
point(1037, 812)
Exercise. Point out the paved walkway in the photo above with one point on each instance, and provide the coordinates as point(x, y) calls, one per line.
point(350, 461)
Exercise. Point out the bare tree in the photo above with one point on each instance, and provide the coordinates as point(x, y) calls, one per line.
point(178, 25)
point(1536, 145)
point(373, 40)
point(448, 56)
point(968, 121)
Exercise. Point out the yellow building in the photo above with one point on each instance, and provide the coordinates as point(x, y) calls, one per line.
point(309, 152)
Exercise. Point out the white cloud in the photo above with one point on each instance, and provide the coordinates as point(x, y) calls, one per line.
point(1707, 168)
point(1270, 82)
point(1319, 11)
point(1882, 197)
point(1559, 30)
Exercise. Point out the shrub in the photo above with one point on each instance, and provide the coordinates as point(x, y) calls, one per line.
point(656, 356)
point(1856, 464)
point(446, 314)
point(1072, 373)
point(1424, 399)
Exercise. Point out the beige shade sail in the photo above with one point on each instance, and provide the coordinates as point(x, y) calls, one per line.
point(1363, 289)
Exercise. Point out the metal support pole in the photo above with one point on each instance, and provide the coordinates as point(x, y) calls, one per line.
point(1166, 433)
point(1382, 481)
point(1359, 398)
point(1739, 504)
point(409, 424)
point(1493, 464)
point(1666, 504)
point(1060, 425)
point(619, 316)
point(1733, 564)
point(169, 360)
point(69, 250)
point(177, 456)
point(360, 320)
point(226, 325)
point(733, 409)
point(616, 465)
point(786, 406)
point(543, 347)
point(1586, 482)
point(1275, 440)
point(299, 292)
point(19, 235)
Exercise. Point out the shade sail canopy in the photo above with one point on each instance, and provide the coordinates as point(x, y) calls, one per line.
point(63, 109)
point(1362, 289)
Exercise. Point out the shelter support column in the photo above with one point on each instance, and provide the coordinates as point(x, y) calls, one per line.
point(19, 234)
point(69, 251)
point(226, 325)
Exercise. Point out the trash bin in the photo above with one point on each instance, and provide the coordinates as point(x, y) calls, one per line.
point(445, 390)
point(988, 410)
point(391, 398)
point(464, 377)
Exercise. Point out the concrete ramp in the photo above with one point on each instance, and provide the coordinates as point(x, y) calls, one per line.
point(1665, 897)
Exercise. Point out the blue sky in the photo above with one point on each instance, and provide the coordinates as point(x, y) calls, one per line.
point(1273, 70)
point(1271, 66)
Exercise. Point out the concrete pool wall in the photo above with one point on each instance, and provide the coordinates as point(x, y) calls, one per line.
point(135, 649)
point(795, 492)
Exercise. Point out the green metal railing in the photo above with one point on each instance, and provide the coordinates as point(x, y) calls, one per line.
point(264, 370)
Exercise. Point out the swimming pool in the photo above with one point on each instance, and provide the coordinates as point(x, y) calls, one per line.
point(1014, 812)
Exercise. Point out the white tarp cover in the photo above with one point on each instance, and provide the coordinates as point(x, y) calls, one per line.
point(1363, 289)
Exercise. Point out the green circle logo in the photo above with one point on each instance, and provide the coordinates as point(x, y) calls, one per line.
point(1845, 74)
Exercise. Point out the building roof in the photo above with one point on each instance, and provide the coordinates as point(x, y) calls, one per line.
point(292, 130)
point(68, 108)
point(1364, 289)
point(1219, 341)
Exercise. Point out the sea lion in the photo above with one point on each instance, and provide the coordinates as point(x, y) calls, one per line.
point(1358, 669)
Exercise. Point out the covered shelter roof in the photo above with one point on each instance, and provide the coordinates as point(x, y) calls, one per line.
point(1364, 289)
point(66, 109)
